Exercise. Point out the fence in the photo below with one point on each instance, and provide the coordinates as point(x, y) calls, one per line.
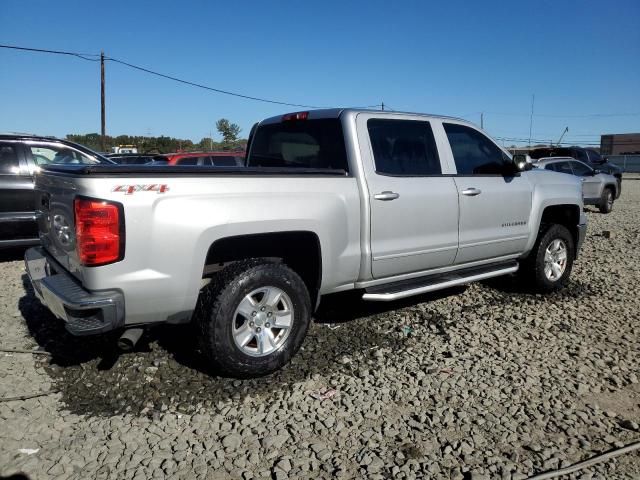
point(628, 163)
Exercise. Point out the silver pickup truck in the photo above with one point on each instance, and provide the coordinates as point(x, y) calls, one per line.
point(389, 204)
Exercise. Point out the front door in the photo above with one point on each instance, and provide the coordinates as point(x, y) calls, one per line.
point(494, 207)
point(590, 182)
point(414, 208)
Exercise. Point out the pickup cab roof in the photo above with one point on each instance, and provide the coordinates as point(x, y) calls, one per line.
point(338, 112)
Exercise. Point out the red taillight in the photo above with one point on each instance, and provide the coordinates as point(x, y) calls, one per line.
point(295, 116)
point(99, 237)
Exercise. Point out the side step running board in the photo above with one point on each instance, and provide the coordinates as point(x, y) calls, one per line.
point(417, 286)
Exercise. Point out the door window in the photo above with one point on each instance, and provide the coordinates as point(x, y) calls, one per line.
point(550, 166)
point(580, 169)
point(226, 161)
point(563, 167)
point(403, 147)
point(188, 161)
point(9, 159)
point(580, 155)
point(473, 152)
point(594, 156)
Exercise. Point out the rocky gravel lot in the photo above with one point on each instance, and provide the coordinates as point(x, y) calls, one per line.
point(486, 381)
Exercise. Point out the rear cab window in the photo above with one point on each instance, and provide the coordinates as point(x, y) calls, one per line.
point(299, 143)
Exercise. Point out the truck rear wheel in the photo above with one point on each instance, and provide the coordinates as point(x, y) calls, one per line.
point(550, 262)
point(253, 318)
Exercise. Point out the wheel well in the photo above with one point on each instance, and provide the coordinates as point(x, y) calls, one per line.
point(567, 215)
point(611, 187)
point(300, 250)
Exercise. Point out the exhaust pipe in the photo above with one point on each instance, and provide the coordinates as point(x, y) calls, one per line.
point(129, 338)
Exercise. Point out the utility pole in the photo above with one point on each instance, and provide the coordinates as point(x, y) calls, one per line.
point(382, 106)
point(103, 128)
point(210, 141)
point(482, 120)
point(533, 99)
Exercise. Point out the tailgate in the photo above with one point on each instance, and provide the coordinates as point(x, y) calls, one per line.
point(55, 217)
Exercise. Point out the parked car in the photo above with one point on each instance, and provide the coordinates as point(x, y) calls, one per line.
point(585, 155)
point(216, 159)
point(21, 156)
point(598, 188)
point(388, 204)
point(137, 159)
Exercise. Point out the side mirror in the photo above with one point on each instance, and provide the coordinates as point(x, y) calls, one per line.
point(522, 162)
point(596, 171)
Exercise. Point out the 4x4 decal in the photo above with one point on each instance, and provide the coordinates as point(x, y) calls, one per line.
point(131, 189)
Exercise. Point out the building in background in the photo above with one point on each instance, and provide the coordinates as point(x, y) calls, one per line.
point(620, 144)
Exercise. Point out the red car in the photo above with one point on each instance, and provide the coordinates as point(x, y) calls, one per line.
point(216, 159)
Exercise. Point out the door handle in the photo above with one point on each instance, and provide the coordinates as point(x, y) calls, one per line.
point(386, 196)
point(471, 192)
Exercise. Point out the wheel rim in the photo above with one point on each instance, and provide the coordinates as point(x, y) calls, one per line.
point(555, 259)
point(609, 200)
point(262, 322)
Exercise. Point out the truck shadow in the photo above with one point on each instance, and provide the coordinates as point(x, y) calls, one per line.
point(12, 254)
point(167, 373)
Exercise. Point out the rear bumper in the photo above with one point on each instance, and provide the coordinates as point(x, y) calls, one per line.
point(582, 232)
point(84, 312)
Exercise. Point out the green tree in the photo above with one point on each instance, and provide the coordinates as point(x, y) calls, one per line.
point(228, 130)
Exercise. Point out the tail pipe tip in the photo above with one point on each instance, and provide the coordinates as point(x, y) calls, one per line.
point(129, 338)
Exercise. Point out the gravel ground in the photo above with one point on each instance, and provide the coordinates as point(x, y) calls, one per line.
point(481, 382)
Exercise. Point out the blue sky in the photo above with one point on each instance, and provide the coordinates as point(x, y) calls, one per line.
point(456, 58)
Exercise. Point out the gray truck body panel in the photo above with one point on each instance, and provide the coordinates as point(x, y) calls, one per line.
point(431, 227)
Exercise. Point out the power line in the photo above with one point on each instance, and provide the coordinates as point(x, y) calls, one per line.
point(83, 56)
point(205, 87)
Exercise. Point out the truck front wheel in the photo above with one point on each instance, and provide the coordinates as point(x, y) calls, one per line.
point(253, 318)
point(549, 264)
point(606, 200)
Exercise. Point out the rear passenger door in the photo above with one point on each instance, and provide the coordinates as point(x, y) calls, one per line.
point(17, 215)
point(494, 206)
point(413, 206)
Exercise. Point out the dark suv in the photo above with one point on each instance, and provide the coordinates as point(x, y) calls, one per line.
point(20, 158)
point(585, 155)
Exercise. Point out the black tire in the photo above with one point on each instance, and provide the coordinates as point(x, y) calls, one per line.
point(606, 200)
point(532, 270)
point(214, 317)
